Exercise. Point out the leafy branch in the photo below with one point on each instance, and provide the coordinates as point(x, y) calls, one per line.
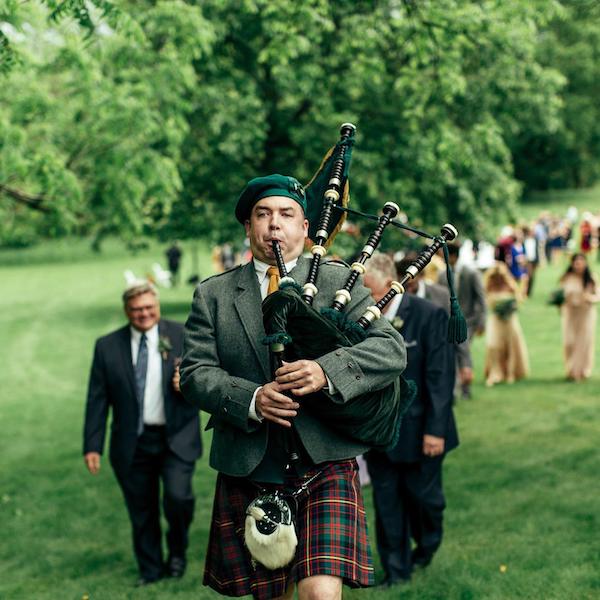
point(32, 202)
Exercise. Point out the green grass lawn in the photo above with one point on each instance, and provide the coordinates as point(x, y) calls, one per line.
point(557, 202)
point(522, 489)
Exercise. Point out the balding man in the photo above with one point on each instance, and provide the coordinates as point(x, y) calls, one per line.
point(407, 480)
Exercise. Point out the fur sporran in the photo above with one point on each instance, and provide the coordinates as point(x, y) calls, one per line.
point(270, 534)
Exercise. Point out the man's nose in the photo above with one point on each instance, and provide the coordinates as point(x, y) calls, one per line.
point(274, 224)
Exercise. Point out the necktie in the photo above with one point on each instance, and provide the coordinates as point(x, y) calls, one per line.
point(141, 366)
point(273, 274)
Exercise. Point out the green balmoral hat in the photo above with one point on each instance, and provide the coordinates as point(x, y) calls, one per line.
point(269, 185)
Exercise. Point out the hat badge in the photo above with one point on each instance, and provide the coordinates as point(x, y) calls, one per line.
point(296, 187)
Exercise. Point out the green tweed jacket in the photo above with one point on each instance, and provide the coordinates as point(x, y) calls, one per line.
point(225, 361)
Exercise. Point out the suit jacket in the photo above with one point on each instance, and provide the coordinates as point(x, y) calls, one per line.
point(225, 360)
point(430, 364)
point(440, 296)
point(112, 385)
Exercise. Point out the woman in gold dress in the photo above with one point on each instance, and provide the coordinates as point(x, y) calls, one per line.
point(506, 358)
point(578, 318)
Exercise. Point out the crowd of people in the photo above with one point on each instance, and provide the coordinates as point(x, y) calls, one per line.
point(518, 253)
point(288, 509)
point(494, 280)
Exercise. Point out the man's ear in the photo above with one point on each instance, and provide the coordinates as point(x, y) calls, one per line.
point(247, 227)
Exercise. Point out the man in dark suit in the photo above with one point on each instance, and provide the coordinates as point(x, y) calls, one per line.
point(407, 480)
point(154, 433)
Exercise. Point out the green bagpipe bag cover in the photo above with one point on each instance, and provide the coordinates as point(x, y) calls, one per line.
point(373, 419)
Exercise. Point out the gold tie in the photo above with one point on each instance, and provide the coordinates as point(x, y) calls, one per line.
point(273, 273)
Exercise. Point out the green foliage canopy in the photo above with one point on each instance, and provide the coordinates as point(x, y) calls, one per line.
point(567, 156)
point(92, 129)
point(149, 117)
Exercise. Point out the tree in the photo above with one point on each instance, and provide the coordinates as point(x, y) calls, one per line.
point(437, 89)
point(156, 127)
point(567, 156)
point(92, 129)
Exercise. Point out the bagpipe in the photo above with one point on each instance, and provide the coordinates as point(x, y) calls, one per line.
point(295, 330)
point(291, 322)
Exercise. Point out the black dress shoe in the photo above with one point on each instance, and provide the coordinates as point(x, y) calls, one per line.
point(176, 566)
point(142, 581)
point(388, 582)
point(421, 560)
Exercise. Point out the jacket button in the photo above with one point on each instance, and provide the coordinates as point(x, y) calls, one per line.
point(350, 365)
point(224, 409)
point(338, 353)
point(358, 377)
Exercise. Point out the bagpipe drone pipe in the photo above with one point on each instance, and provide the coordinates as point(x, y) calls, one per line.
point(295, 330)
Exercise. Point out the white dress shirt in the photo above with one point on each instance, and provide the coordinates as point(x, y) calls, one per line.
point(154, 402)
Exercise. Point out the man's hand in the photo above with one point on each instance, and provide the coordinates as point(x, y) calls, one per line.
point(92, 462)
point(301, 377)
point(176, 379)
point(465, 375)
point(433, 445)
point(275, 406)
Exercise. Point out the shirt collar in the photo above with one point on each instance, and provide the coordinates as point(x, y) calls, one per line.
point(151, 335)
point(261, 267)
point(394, 305)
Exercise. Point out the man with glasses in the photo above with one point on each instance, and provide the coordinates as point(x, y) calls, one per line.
point(154, 433)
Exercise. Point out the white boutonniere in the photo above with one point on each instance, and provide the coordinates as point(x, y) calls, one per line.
point(164, 346)
point(397, 323)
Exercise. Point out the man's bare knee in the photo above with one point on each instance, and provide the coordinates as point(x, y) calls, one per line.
point(320, 587)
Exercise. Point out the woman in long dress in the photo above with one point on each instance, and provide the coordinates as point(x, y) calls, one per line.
point(578, 318)
point(506, 358)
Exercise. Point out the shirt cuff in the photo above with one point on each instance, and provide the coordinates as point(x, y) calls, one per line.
point(252, 414)
point(331, 388)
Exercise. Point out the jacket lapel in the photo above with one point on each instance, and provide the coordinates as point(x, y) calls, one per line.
point(247, 304)
point(300, 271)
point(127, 359)
point(164, 364)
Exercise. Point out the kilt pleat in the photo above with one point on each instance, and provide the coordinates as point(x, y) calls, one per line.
point(330, 524)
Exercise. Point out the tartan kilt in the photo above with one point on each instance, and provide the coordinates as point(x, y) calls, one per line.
point(330, 525)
